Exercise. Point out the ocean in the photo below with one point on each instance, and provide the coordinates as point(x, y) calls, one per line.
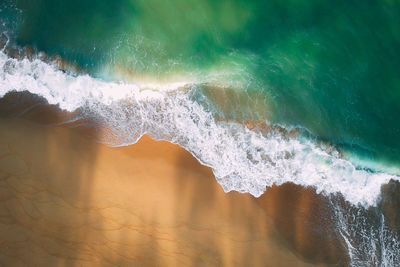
point(263, 92)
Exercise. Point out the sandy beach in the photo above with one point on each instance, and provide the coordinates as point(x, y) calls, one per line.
point(68, 201)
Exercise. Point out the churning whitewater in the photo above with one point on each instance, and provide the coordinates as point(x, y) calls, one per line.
point(242, 159)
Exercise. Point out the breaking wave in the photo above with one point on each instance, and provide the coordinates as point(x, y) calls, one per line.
point(242, 158)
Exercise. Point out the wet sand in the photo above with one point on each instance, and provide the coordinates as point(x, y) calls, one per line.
point(68, 201)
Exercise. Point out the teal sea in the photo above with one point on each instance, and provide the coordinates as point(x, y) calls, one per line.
point(326, 70)
point(331, 68)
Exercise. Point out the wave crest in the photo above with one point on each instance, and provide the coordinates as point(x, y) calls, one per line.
point(242, 159)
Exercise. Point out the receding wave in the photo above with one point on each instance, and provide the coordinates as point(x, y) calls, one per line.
point(242, 159)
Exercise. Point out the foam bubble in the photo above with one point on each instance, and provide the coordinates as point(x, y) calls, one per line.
point(241, 159)
point(369, 240)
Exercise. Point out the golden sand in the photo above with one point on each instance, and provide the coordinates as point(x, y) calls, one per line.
point(67, 201)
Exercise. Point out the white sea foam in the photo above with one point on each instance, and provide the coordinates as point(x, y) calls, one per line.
point(369, 240)
point(241, 159)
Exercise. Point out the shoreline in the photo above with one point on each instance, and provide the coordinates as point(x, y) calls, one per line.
point(68, 200)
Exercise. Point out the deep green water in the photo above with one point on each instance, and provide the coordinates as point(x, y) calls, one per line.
point(332, 67)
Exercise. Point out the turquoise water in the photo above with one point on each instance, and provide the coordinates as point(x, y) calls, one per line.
point(330, 67)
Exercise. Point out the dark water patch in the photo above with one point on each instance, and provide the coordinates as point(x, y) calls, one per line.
point(371, 234)
point(15, 104)
point(31, 107)
point(306, 223)
point(390, 205)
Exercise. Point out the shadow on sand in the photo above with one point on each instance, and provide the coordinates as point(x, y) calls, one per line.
point(67, 201)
